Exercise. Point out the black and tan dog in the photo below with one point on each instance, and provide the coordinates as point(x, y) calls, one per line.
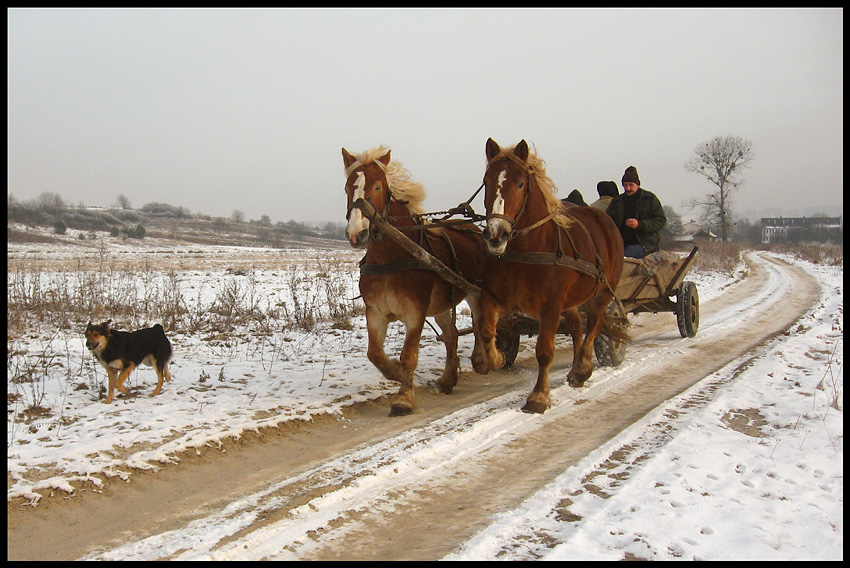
point(122, 351)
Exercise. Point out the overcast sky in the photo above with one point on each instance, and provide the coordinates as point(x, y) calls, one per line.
point(217, 110)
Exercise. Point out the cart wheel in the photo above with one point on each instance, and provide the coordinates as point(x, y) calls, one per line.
point(609, 352)
point(507, 341)
point(687, 309)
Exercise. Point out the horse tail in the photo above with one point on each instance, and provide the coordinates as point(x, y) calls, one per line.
point(615, 327)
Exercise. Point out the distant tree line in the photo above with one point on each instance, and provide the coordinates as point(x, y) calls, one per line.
point(51, 210)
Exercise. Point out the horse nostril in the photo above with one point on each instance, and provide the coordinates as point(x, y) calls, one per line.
point(360, 239)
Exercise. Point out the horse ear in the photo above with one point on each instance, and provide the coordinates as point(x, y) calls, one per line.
point(492, 149)
point(385, 159)
point(521, 150)
point(347, 158)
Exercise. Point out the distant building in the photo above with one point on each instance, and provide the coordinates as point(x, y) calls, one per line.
point(692, 231)
point(781, 229)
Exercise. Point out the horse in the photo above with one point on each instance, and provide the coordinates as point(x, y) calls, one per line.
point(393, 284)
point(545, 259)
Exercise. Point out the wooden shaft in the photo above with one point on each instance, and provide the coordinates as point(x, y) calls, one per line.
point(428, 260)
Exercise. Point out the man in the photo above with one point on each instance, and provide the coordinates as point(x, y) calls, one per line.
point(607, 191)
point(575, 197)
point(639, 216)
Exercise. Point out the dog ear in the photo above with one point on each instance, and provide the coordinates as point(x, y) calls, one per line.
point(106, 323)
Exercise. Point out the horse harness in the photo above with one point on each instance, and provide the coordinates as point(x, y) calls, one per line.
point(557, 258)
point(371, 269)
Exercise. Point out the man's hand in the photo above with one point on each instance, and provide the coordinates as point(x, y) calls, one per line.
point(632, 223)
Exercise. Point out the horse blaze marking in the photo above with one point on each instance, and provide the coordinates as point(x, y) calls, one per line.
point(499, 202)
point(356, 222)
point(498, 207)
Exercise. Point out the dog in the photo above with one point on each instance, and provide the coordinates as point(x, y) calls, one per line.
point(122, 351)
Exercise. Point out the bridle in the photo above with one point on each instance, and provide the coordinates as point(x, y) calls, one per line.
point(383, 214)
point(512, 221)
point(557, 258)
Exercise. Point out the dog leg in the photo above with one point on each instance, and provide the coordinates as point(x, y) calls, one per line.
point(159, 377)
point(119, 382)
point(111, 373)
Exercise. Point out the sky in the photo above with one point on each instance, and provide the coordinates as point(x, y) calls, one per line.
point(218, 110)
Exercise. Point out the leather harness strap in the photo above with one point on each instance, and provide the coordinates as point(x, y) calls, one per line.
point(370, 269)
point(554, 259)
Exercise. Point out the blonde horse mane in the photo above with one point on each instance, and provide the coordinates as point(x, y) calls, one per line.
point(537, 169)
point(402, 187)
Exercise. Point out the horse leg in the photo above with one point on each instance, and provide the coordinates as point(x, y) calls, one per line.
point(485, 355)
point(583, 356)
point(574, 324)
point(538, 401)
point(572, 317)
point(376, 325)
point(404, 401)
point(447, 325)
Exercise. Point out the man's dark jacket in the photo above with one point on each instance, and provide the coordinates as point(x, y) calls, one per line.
point(648, 212)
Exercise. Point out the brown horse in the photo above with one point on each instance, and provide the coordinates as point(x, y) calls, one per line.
point(394, 286)
point(548, 259)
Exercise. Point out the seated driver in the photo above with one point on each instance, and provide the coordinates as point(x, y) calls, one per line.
point(639, 216)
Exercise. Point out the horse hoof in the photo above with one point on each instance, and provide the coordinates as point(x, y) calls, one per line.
point(400, 410)
point(480, 366)
point(445, 388)
point(534, 407)
point(575, 381)
point(501, 360)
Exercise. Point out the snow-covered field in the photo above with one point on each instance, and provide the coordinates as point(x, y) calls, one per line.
point(714, 490)
point(775, 491)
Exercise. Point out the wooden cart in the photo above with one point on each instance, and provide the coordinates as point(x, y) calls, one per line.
point(655, 283)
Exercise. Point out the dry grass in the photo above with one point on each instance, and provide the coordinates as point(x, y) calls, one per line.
point(725, 257)
point(48, 308)
point(718, 257)
point(48, 305)
point(310, 293)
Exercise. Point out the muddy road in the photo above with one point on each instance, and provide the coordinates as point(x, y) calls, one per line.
point(367, 487)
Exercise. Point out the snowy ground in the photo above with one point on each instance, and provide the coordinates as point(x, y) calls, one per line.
point(757, 473)
point(781, 481)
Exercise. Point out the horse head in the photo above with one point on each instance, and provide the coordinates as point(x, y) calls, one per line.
point(507, 182)
point(367, 181)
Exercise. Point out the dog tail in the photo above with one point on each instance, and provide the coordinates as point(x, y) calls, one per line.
point(165, 356)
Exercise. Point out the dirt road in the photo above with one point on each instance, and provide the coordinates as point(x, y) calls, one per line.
point(366, 487)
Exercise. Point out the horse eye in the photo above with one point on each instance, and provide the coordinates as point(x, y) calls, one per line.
point(378, 187)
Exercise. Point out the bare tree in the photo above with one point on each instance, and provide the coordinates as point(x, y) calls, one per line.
point(237, 216)
point(50, 202)
point(672, 228)
point(720, 160)
point(123, 202)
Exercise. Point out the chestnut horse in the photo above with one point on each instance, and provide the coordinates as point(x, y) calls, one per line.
point(393, 284)
point(548, 259)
